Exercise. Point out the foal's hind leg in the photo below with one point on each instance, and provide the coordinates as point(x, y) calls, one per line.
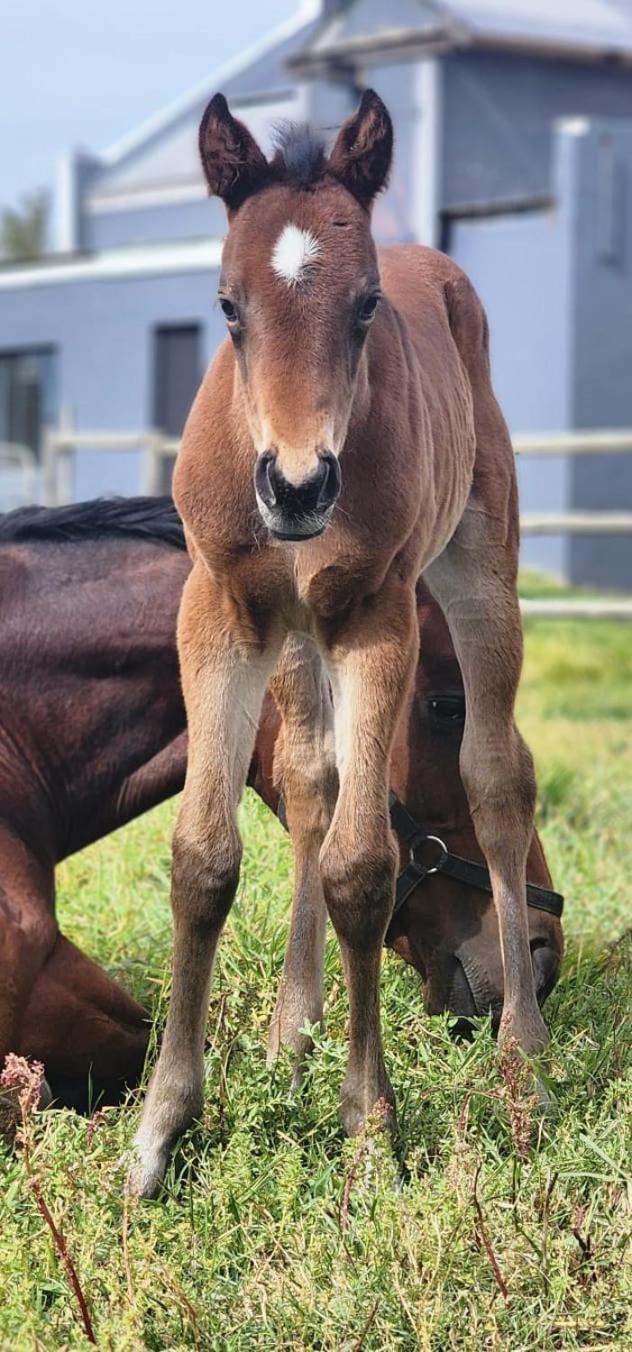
point(474, 582)
point(305, 773)
point(225, 669)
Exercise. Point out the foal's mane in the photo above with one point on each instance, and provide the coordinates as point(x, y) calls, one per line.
point(153, 519)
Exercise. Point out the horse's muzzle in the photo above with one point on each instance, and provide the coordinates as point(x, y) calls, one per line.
point(294, 511)
point(471, 994)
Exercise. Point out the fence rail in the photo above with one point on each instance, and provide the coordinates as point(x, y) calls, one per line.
point(60, 444)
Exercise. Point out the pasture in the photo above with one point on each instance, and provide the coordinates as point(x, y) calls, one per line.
point(484, 1228)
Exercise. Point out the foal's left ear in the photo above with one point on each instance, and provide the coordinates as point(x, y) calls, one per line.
point(361, 157)
point(233, 163)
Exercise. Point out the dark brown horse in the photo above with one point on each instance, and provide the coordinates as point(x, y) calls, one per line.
point(344, 442)
point(92, 734)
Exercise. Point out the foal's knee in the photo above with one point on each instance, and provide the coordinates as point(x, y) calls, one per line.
point(359, 889)
point(308, 781)
point(204, 879)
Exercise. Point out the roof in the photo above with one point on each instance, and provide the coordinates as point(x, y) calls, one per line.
point(113, 265)
point(579, 27)
point(259, 72)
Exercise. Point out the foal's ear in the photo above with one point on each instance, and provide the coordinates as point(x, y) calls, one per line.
point(231, 159)
point(361, 157)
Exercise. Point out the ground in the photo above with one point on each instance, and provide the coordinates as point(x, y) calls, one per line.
point(273, 1231)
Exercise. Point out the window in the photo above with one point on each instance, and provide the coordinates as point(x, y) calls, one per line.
point(28, 395)
point(177, 374)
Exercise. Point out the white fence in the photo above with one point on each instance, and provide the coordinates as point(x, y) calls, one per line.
point(53, 485)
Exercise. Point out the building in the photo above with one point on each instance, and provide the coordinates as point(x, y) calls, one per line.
point(514, 153)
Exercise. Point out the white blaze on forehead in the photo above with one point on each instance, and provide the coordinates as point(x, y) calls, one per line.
point(293, 252)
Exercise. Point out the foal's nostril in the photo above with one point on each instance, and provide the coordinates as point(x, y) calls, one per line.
point(546, 965)
point(265, 474)
point(460, 1000)
point(330, 475)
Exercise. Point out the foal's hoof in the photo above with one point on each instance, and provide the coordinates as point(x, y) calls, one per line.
point(147, 1171)
point(530, 1033)
point(144, 1182)
point(286, 1035)
point(357, 1117)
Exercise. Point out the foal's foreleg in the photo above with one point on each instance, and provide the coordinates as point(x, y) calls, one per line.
point(305, 772)
point(224, 674)
point(473, 580)
point(371, 670)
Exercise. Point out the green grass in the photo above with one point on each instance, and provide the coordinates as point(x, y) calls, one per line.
point(248, 1248)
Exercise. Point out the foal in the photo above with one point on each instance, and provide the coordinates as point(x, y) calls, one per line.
point(345, 440)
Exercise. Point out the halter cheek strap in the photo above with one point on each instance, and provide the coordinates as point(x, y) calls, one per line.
point(441, 860)
point(438, 859)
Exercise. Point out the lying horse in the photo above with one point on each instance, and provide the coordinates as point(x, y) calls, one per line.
point(92, 733)
point(344, 442)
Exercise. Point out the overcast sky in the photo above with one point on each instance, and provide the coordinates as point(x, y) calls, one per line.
point(85, 72)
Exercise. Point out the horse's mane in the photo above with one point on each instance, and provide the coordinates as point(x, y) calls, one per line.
point(153, 519)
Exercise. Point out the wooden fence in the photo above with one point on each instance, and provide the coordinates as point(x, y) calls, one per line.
point(60, 445)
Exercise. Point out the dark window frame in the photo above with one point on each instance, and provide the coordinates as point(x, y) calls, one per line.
point(47, 393)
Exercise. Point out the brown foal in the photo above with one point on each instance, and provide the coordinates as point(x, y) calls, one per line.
point(345, 440)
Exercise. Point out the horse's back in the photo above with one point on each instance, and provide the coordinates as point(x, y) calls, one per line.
point(448, 327)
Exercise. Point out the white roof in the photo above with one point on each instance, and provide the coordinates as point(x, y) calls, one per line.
point(601, 26)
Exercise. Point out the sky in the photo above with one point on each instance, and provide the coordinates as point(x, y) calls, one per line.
point(85, 72)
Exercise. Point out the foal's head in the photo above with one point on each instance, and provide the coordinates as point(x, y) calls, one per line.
point(299, 289)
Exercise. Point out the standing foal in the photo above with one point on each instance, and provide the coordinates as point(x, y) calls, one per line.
point(345, 440)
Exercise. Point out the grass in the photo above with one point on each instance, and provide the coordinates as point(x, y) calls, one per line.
point(269, 1234)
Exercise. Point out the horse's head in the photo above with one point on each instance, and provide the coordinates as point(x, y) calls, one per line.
point(448, 929)
point(299, 289)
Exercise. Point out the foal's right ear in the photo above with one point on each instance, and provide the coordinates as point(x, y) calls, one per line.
point(361, 157)
point(231, 159)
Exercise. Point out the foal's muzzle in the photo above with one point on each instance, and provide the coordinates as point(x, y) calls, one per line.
point(296, 511)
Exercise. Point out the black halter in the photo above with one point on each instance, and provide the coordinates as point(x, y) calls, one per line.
point(452, 865)
point(419, 866)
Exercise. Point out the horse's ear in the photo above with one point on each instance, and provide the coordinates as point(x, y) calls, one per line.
point(233, 164)
point(361, 157)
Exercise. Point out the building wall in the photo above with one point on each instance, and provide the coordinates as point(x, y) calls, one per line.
point(145, 225)
point(103, 334)
point(499, 111)
point(599, 168)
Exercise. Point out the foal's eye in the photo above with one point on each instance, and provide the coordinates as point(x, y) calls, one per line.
point(229, 310)
point(368, 307)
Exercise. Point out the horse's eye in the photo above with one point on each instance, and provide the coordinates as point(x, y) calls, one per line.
point(447, 710)
point(229, 310)
point(368, 307)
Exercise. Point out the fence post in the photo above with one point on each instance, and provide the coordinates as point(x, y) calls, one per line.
point(150, 476)
point(48, 490)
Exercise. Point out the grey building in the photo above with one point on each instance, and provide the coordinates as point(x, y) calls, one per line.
point(513, 153)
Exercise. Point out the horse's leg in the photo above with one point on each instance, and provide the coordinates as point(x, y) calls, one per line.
point(28, 931)
point(371, 666)
point(225, 668)
point(305, 773)
point(474, 582)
